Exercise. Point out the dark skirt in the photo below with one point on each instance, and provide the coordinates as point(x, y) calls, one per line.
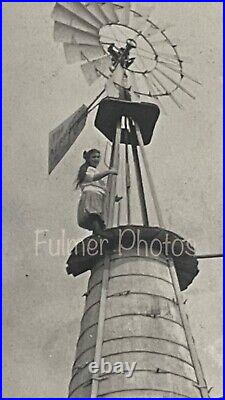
point(91, 206)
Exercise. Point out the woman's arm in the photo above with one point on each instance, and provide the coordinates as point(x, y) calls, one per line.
point(101, 175)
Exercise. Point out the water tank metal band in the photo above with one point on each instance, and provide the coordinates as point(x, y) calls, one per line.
point(135, 351)
point(135, 293)
point(138, 370)
point(142, 389)
point(144, 275)
point(95, 324)
point(137, 337)
point(130, 292)
point(155, 390)
point(140, 257)
point(115, 257)
point(147, 337)
point(134, 314)
point(149, 352)
point(131, 274)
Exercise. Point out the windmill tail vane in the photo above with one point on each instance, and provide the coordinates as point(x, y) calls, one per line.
point(134, 305)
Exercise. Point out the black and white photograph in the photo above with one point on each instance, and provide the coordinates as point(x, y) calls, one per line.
point(112, 199)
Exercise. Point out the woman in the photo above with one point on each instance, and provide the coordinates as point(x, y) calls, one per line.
point(90, 181)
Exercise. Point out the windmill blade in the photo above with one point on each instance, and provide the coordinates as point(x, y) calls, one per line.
point(102, 64)
point(109, 11)
point(62, 138)
point(150, 30)
point(180, 86)
point(73, 53)
point(96, 10)
point(141, 10)
point(164, 28)
point(154, 30)
point(94, 69)
point(167, 91)
point(62, 14)
point(90, 73)
point(77, 53)
point(158, 29)
point(174, 57)
point(137, 20)
point(134, 86)
point(69, 34)
point(154, 89)
point(166, 42)
point(123, 12)
point(179, 71)
point(81, 11)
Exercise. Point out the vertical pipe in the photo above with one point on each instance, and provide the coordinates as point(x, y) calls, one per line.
point(113, 178)
point(109, 183)
point(128, 184)
point(118, 213)
point(141, 193)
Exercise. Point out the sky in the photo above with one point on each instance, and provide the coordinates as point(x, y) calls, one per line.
point(42, 304)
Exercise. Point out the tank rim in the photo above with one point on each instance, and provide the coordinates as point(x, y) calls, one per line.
point(120, 240)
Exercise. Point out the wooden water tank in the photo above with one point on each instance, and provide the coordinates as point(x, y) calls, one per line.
point(141, 323)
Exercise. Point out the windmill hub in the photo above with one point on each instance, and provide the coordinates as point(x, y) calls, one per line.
point(122, 38)
point(122, 55)
point(131, 44)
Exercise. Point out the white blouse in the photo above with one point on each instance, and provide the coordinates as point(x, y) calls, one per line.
point(94, 186)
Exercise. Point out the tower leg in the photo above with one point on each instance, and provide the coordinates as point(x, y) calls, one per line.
point(141, 193)
point(150, 180)
point(101, 321)
point(111, 184)
point(202, 386)
point(128, 183)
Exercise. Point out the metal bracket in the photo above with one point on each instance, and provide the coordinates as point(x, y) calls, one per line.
point(124, 293)
point(161, 371)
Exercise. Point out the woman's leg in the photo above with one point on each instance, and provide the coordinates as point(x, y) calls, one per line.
point(98, 225)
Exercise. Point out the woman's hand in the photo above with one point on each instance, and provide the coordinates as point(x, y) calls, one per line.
point(118, 198)
point(100, 175)
point(113, 171)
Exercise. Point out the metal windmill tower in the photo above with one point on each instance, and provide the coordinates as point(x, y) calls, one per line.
point(134, 309)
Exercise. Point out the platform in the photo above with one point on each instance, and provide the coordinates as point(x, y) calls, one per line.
point(111, 110)
point(120, 240)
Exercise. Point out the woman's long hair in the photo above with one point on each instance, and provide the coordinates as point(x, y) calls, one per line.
point(83, 168)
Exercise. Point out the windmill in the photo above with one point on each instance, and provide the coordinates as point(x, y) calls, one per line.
point(134, 309)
